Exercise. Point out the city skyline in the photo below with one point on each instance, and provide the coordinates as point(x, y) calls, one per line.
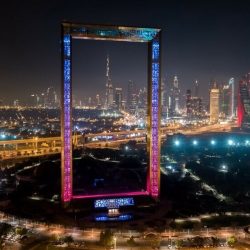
point(194, 45)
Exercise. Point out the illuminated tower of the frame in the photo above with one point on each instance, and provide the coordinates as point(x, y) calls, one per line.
point(152, 37)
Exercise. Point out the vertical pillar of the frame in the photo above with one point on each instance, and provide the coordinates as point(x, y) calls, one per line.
point(154, 116)
point(66, 118)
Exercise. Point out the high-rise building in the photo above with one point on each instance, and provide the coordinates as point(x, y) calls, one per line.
point(243, 109)
point(109, 96)
point(193, 105)
point(132, 97)
point(141, 104)
point(188, 103)
point(118, 98)
point(232, 88)
point(226, 100)
point(176, 95)
point(196, 88)
point(16, 103)
point(98, 101)
point(174, 98)
point(142, 98)
point(164, 99)
point(51, 98)
point(196, 107)
point(214, 105)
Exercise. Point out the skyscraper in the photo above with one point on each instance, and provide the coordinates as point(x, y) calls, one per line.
point(176, 95)
point(231, 85)
point(51, 98)
point(196, 88)
point(98, 101)
point(243, 109)
point(226, 100)
point(188, 103)
point(164, 101)
point(196, 107)
point(214, 105)
point(174, 98)
point(193, 105)
point(109, 96)
point(131, 97)
point(118, 98)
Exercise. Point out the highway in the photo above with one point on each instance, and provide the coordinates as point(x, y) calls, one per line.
point(32, 147)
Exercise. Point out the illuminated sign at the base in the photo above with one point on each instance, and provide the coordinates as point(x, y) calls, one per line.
point(114, 203)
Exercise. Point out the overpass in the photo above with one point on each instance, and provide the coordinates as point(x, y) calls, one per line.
point(39, 146)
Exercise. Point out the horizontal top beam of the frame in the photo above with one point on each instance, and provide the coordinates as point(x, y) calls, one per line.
point(115, 33)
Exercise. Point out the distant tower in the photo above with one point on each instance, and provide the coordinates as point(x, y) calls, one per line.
point(188, 103)
point(243, 107)
point(164, 100)
point(118, 98)
point(131, 97)
point(98, 102)
point(176, 97)
point(16, 103)
point(214, 105)
point(196, 88)
point(50, 98)
point(226, 100)
point(109, 88)
point(231, 85)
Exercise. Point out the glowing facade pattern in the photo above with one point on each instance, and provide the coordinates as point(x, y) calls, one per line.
point(114, 203)
point(130, 34)
point(114, 33)
point(66, 121)
point(155, 119)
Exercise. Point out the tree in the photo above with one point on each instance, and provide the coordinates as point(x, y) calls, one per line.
point(68, 239)
point(231, 241)
point(215, 241)
point(131, 242)
point(178, 243)
point(107, 238)
point(198, 241)
point(21, 231)
point(4, 230)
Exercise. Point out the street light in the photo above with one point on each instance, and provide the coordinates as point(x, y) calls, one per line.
point(195, 142)
point(115, 242)
point(177, 143)
point(213, 142)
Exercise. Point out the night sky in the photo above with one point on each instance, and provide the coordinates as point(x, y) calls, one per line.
point(205, 40)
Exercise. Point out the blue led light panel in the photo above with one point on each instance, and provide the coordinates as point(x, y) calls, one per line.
point(114, 203)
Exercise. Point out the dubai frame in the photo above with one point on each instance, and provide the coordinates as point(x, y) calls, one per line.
point(152, 37)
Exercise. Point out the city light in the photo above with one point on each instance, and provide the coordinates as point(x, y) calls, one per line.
point(177, 143)
point(3, 136)
point(195, 142)
point(224, 168)
point(213, 142)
